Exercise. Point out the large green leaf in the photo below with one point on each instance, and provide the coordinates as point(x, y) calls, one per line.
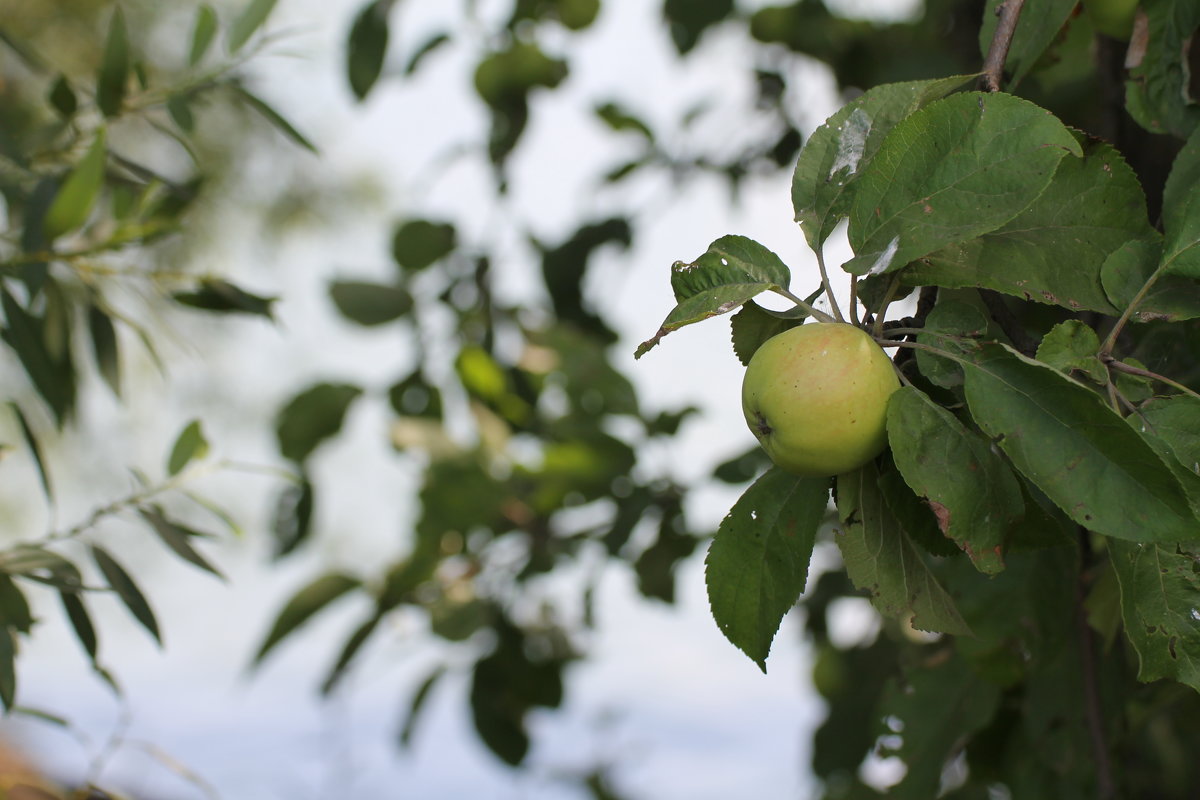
point(1071, 445)
point(837, 152)
point(1160, 603)
point(1132, 276)
point(954, 170)
point(1054, 250)
point(971, 490)
point(306, 602)
point(733, 270)
point(757, 565)
point(1181, 212)
point(882, 560)
point(311, 417)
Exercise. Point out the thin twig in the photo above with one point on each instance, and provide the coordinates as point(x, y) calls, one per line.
point(809, 309)
point(1129, 369)
point(826, 285)
point(993, 64)
point(1093, 708)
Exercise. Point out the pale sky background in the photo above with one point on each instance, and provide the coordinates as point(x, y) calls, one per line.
point(674, 708)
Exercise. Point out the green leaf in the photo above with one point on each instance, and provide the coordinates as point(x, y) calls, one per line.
point(221, 296)
point(733, 270)
point(303, 605)
point(349, 650)
point(970, 488)
point(123, 584)
point(34, 449)
point(961, 167)
point(53, 375)
point(882, 560)
point(62, 97)
point(176, 537)
point(181, 112)
point(754, 324)
point(420, 243)
point(757, 565)
point(1160, 603)
point(367, 46)
point(189, 445)
point(837, 152)
point(277, 120)
point(77, 196)
point(421, 53)
point(949, 318)
point(1039, 26)
point(1073, 345)
point(114, 69)
point(81, 621)
point(1158, 93)
point(1133, 274)
point(417, 704)
point(1181, 212)
point(42, 565)
point(292, 522)
point(618, 118)
point(312, 416)
point(1054, 250)
point(253, 15)
point(688, 19)
point(203, 31)
point(370, 304)
point(105, 348)
point(8, 667)
point(14, 608)
point(1071, 445)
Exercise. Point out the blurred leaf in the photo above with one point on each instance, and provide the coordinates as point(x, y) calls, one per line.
point(123, 584)
point(77, 195)
point(349, 650)
point(292, 523)
point(972, 161)
point(189, 445)
point(881, 559)
point(415, 397)
point(688, 19)
point(41, 565)
point(1073, 345)
point(203, 31)
point(105, 347)
point(506, 77)
point(757, 565)
point(221, 296)
point(312, 416)
point(62, 97)
point(564, 269)
point(34, 449)
point(417, 705)
point(14, 608)
point(419, 243)
point(971, 489)
point(81, 621)
point(176, 536)
point(251, 18)
point(367, 46)
point(114, 69)
point(618, 119)
point(53, 377)
point(277, 120)
point(1072, 446)
point(370, 304)
point(655, 567)
point(733, 270)
point(306, 602)
point(181, 112)
point(744, 467)
point(8, 667)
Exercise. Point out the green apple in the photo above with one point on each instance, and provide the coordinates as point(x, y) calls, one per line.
point(816, 397)
point(1112, 17)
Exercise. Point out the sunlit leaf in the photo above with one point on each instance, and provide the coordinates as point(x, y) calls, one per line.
point(251, 18)
point(77, 196)
point(120, 581)
point(189, 446)
point(203, 31)
point(757, 565)
point(306, 602)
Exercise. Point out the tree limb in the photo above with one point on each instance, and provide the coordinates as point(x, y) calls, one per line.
point(993, 64)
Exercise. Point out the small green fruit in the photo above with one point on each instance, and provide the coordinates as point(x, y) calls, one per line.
point(816, 398)
point(1112, 17)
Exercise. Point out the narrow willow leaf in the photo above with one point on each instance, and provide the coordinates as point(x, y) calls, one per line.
point(733, 270)
point(114, 69)
point(757, 565)
point(882, 560)
point(835, 155)
point(123, 584)
point(1064, 438)
point(428, 47)
point(32, 443)
point(349, 650)
point(253, 15)
point(81, 621)
point(303, 605)
point(176, 537)
point(1054, 251)
point(277, 120)
point(203, 31)
point(223, 297)
point(417, 704)
point(105, 348)
point(14, 607)
point(292, 523)
point(972, 491)
point(961, 167)
point(367, 47)
point(8, 667)
point(1160, 603)
point(189, 445)
point(77, 195)
point(42, 565)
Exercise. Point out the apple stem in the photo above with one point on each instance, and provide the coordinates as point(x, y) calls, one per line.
point(890, 295)
point(833, 304)
point(854, 302)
